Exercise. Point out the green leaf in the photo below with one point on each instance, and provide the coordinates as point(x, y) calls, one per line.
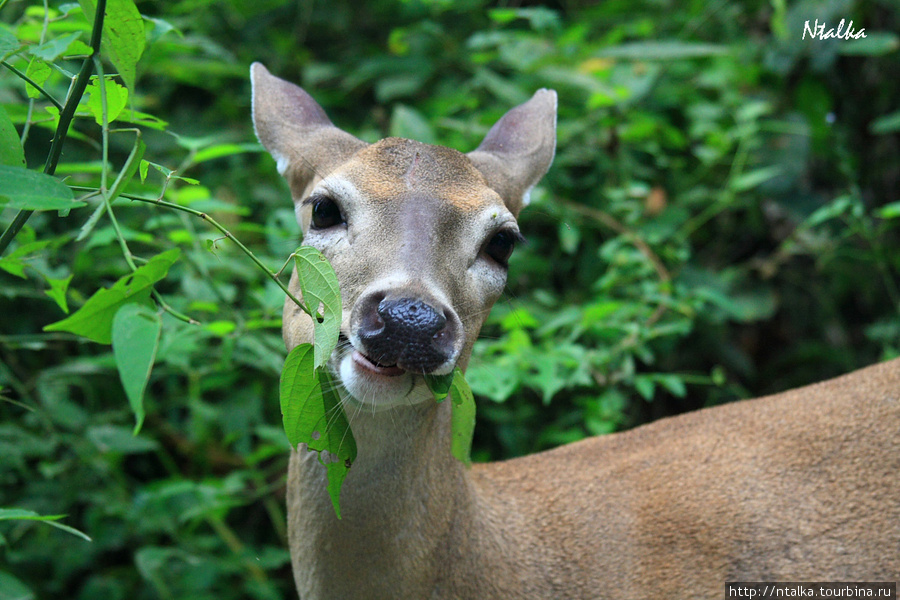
point(123, 35)
point(57, 291)
point(498, 380)
point(340, 448)
point(439, 385)
point(222, 150)
point(662, 50)
point(29, 190)
point(462, 425)
point(645, 385)
point(29, 515)
point(13, 266)
point(38, 71)
point(50, 51)
point(890, 211)
point(15, 261)
point(11, 152)
point(13, 589)
point(519, 318)
point(120, 440)
point(312, 414)
point(94, 320)
point(319, 286)
point(8, 41)
point(752, 179)
point(887, 124)
point(116, 99)
point(674, 384)
point(875, 43)
point(840, 206)
point(135, 339)
point(408, 123)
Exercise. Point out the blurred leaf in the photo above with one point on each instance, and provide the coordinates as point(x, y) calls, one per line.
point(890, 211)
point(519, 318)
point(223, 150)
point(753, 179)
point(408, 123)
point(50, 51)
point(839, 206)
point(887, 124)
point(11, 152)
point(120, 440)
point(674, 384)
point(662, 50)
point(645, 386)
point(29, 190)
point(319, 286)
point(29, 515)
point(401, 85)
point(94, 320)
point(221, 328)
point(876, 43)
point(135, 339)
point(496, 380)
point(10, 587)
point(8, 41)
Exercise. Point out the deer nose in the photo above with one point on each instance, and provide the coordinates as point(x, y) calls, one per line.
point(407, 332)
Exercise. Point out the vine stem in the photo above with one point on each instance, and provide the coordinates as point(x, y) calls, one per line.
point(609, 221)
point(202, 215)
point(65, 120)
point(33, 84)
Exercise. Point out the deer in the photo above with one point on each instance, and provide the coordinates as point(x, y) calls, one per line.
point(799, 486)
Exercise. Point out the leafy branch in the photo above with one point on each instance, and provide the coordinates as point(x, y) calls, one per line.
point(65, 120)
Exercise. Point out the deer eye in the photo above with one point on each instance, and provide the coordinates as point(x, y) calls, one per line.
point(325, 213)
point(500, 247)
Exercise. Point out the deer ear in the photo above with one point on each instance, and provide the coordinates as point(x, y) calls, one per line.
point(518, 149)
point(296, 131)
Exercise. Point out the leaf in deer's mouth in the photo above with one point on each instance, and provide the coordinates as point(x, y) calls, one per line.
point(313, 414)
point(462, 424)
point(439, 384)
point(320, 290)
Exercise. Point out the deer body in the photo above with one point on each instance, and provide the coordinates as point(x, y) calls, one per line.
point(798, 486)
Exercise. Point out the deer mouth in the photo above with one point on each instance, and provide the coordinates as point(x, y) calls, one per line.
point(370, 382)
point(368, 364)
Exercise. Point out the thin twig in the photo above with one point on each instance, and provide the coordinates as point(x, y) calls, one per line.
point(272, 275)
point(612, 223)
point(34, 84)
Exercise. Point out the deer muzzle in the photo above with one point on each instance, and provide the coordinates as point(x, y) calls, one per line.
point(408, 332)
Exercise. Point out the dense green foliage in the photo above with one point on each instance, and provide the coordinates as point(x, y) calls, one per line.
point(722, 220)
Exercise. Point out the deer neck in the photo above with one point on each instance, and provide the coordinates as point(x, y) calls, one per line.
point(398, 507)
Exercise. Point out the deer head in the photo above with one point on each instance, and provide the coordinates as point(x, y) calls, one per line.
point(419, 235)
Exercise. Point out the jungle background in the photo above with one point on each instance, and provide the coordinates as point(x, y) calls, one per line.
point(722, 221)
